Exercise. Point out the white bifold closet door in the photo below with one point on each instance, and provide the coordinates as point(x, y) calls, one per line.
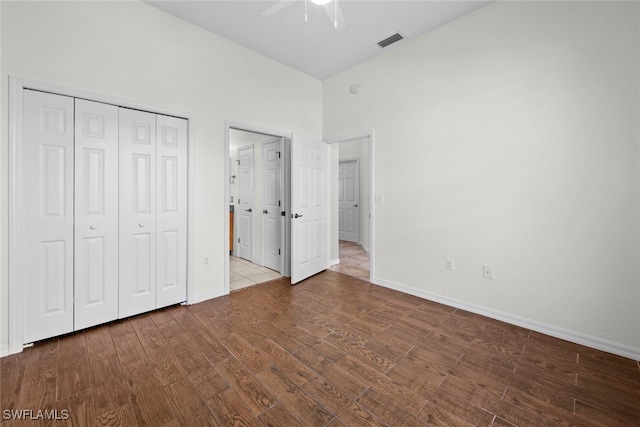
point(137, 212)
point(105, 212)
point(96, 214)
point(47, 182)
point(153, 211)
point(171, 210)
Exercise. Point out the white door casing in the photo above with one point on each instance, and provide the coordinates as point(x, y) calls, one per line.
point(137, 275)
point(96, 214)
point(310, 208)
point(245, 203)
point(271, 204)
point(47, 251)
point(349, 201)
point(171, 220)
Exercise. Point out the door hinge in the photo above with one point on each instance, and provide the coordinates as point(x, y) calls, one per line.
point(238, 201)
point(278, 251)
point(238, 240)
point(238, 161)
point(283, 213)
point(278, 154)
point(278, 202)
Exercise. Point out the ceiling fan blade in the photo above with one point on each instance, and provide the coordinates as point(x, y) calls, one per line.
point(277, 7)
point(331, 8)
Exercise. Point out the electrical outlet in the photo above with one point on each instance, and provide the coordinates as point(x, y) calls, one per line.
point(450, 264)
point(205, 260)
point(487, 271)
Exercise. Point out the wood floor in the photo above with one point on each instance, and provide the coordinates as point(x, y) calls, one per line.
point(331, 351)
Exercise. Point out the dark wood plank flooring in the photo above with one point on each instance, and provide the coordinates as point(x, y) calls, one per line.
point(330, 351)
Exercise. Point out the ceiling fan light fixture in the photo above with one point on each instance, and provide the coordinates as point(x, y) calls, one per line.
point(320, 2)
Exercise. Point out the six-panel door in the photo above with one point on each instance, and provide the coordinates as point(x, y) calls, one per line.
point(348, 200)
point(96, 213)
point(310, 208)
point(271, 218)
point(245, 202)
point(47, 252)
point(137, 240)
point(171, 211)
point(105, 213)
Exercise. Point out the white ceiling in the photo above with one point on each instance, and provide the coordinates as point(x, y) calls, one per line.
point(315, 47)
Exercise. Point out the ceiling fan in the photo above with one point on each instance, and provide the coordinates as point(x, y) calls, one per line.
point(332, 7)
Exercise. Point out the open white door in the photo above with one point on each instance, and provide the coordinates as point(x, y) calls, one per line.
point(309, 208)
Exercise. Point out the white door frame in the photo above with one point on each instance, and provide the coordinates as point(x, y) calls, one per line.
point(17, 85)
point(354, 137)
point(228, 126)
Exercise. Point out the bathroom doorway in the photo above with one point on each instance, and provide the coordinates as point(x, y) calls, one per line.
point(256, 226)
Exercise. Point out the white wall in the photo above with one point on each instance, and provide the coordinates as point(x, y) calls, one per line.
point(135, 52)
point(509, 137)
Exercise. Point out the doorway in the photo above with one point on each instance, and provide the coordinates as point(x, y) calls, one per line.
point(352, 239)
point(256, 197)
point(309, 237)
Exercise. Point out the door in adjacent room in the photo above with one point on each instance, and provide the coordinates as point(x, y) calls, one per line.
point(245, 203)
point(349, 201)
point(271, 204)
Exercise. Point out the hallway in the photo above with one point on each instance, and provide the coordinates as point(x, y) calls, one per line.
point(354, 261)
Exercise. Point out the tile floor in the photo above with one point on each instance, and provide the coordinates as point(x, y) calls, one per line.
point(354, 261)
point(243, 273)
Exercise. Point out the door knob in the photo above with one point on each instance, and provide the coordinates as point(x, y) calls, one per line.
point(297, 216)
point(265, 211)
point(141, 225)
point(93, 227)
point(355, 206)
point(248, 210)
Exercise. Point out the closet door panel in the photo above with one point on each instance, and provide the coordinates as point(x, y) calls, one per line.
point(172, 210)
point(96, 210)
point(47, 174)
point(137, 267)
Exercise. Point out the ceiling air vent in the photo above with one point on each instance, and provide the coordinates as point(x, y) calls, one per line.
point(390, 40)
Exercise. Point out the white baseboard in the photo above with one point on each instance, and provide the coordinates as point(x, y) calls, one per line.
point(534, 325)
point(334, 262)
